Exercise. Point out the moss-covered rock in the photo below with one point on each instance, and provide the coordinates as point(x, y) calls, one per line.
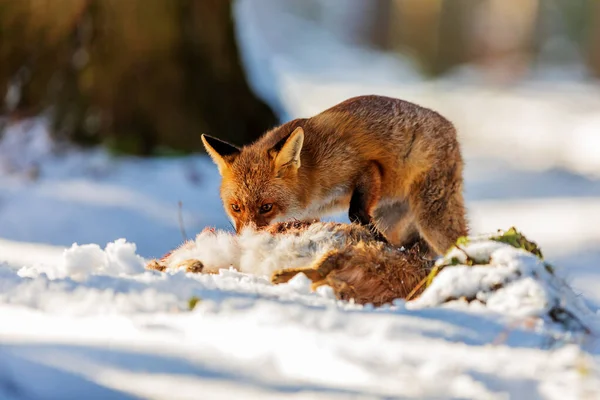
point(518, 240)
point(511, 237)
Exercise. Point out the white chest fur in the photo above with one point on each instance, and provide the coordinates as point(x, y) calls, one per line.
point(335, 200)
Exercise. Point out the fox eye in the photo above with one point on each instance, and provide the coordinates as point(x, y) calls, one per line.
point(265, 208)
point(235, 208)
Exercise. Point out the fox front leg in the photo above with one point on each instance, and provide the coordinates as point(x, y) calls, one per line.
point(365, 197)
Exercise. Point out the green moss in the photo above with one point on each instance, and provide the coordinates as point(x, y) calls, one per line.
point(193, 301)
point(454, 261)
point(463, 240)
point(518, 240)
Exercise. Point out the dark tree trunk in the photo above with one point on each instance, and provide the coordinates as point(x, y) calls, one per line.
point(137, 75)
point(216, 85)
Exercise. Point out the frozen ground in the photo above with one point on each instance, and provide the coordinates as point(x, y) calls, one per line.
point(532, 161)
point(95, 325)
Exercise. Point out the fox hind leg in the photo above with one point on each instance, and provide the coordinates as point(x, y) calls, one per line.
point(438, 206)
point(397, 222)
point(365, 197)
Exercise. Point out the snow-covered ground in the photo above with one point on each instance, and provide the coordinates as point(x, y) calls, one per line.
point(96, 325)
point(532, 161)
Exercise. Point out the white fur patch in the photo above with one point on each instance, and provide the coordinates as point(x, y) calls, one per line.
point(328, 205)
point(258, 252)
point(217, 250)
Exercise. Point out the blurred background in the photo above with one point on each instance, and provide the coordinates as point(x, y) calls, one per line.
point(103, 103)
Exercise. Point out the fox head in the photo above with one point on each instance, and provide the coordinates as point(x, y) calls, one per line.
point(259, 185)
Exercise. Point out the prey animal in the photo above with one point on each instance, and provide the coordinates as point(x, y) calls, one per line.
point(346, 257)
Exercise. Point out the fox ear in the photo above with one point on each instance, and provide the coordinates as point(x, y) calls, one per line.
point(222, 153)
point(287, 150)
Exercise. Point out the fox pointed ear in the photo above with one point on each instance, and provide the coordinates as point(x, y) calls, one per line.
point(221, 152)
point(287, 151)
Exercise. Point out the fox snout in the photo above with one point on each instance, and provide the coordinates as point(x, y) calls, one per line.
point(252, 224)
point(240, 226)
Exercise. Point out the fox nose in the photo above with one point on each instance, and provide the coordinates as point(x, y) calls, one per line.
point(252, 224)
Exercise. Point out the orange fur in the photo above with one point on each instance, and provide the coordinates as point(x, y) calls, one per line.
point(366, 270)
point(396, 166)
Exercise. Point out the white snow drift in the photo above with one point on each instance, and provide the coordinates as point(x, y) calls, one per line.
point(111, 330)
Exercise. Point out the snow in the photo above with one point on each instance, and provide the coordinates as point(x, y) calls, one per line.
point(79, 261)
point(261, 340)
point(80, 318)
point(123, 332)
point(93, 197)
point(507, 280)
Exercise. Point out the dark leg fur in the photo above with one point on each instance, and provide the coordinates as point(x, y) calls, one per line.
point(396, 222)
point(364, 198)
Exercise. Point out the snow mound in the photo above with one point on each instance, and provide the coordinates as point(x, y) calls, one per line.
point(487, 273)
point(80, 261)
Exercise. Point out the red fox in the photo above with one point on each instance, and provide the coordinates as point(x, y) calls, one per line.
point(395, 166)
